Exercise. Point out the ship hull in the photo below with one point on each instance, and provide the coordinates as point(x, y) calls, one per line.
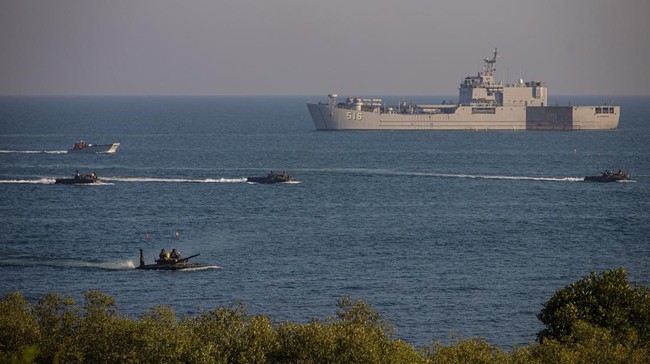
point(466, 118)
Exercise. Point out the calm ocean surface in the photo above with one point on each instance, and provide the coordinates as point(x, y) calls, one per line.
point(443, 233)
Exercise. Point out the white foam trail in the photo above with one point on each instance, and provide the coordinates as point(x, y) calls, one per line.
point(69, 263)
point(174, 180)
point(42, 181)
point(34, 151)
point(121, 265)
point(519, 178)
point(198, 268)
point(445, 175)
point(499, 177)
point(100, 183)
point(107, 181)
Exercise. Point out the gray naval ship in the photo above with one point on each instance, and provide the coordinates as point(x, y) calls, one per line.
point(483, 105)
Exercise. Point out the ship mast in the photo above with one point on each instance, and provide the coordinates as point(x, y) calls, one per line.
point(490, 64)
point(487, 76)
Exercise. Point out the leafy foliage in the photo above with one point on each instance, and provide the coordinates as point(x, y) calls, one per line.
point(57, 329)
point(18, 327)
point(474, 350)
point(606, 301)
point(590, 344)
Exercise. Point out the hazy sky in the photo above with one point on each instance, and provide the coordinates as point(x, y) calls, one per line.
point(304, 47)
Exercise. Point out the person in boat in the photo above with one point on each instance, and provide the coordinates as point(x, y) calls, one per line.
point(621, 173)
point(163, 255)
point(76, 175)
point(175, 254)
point(284, 174)
point(271, 175)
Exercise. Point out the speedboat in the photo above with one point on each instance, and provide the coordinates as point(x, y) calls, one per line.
point(78, 179)
point(609, 176)
point(170, 263)
point(83, 147)
point(271, 178)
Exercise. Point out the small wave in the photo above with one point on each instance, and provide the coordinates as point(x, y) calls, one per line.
point(174, 180)
point(41, 181)
point(34, 151)
point(68, 263)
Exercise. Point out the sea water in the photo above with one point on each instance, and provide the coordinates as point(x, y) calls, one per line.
point(443, 233)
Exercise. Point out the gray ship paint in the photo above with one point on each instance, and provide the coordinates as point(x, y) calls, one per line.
point(483, 104)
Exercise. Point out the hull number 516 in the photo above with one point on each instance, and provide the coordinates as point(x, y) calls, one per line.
point(351, 115)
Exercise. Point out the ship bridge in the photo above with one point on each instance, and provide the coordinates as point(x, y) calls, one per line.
point(481, 90)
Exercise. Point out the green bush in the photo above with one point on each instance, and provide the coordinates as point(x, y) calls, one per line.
point(605, 301)
point(474, 350)
point(601, 319)
point(355, 335)
point(18, 326)
point(590, 344)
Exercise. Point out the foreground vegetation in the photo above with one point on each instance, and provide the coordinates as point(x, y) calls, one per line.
point(599, 319)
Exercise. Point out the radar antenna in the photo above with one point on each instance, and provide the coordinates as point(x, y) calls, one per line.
point(490, 63)
point(332, 97)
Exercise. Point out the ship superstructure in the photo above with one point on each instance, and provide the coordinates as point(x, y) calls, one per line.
point(483, 104)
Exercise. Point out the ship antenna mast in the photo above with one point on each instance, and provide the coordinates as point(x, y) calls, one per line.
point(490, 63)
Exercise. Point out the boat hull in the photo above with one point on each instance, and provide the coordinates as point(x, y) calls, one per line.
point(610, 178)
point(76, 181)
point(171, 266)
point(96, 148)
point(72, 181)
point(269, 180)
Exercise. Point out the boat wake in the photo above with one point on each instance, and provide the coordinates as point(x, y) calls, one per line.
point(384, 172)
point(67, 263)
point(457, 175)
point(198, 268)
point(41, 181)
point(498, 177)
point(174, 180)
point(108, 181)
point(33, 152)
